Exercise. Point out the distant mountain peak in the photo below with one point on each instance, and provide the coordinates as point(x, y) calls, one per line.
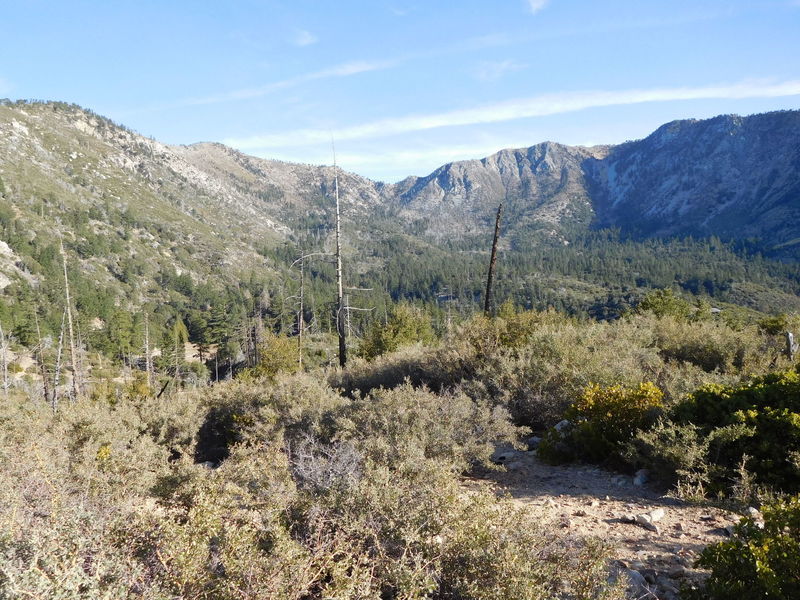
point(732, 176)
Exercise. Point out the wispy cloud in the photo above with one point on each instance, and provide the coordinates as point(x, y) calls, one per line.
point(341, 70)
point(5, 86)
point(304, 38)
point(493, 70)
point(536, 5)
point(537, 106)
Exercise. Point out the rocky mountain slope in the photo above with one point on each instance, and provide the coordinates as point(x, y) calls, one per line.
point(129, 209)
point(544, 184)
point(733, 177)
point(66, 172)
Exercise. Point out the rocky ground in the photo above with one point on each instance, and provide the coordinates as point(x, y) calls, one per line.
point(656, 538)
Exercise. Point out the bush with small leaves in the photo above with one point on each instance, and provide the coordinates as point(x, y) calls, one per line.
point(388, 426)
point(684, 456)
point(768, 408)
point(760, 560)
point(601, 421)
point(407, 324)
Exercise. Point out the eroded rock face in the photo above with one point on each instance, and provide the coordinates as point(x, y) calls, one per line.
point(544, 183)
point(730, 176)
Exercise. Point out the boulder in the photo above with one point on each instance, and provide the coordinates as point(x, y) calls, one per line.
point(657, 514)
point(505, 456)
point(561, 426)
point(533, 442)
point(646, 521)
point(635, 583)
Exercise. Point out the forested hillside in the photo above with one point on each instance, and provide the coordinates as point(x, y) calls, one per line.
point(200, 244)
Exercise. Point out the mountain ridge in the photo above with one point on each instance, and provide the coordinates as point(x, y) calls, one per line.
point(145, 221)
point(688, 177)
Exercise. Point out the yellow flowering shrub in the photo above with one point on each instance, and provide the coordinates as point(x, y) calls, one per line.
point(602, 419)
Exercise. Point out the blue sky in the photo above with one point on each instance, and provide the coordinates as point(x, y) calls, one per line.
point(403, 85)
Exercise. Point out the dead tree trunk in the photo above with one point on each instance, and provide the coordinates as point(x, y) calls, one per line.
point(42, 366)
point(4, 351)
point(72, 350)
point(57, 372)
point(487, 307)
point(340, 308)
point(791, 345)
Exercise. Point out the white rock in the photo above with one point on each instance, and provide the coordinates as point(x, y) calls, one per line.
point(505, 456)
point(647, 522)
point(679, 571)
point(634, 581)
point(657, 514)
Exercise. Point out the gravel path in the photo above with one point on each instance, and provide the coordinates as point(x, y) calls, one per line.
point(587, 500)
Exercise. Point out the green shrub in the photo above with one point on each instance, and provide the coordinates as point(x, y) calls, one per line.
point(682, 455)
point(407, 324)
point(665, 303)
point(757, 563)
point(276, 354)
point(14, 367)
point(256, 411)
point(320, 496)
point(601, 420)
point(775, 324)
point(536, 363)
point(407, 424)
point(67, 553)
point(713, 346)
point(768, 408)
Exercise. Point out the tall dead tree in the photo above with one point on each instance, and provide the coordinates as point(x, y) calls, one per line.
point(791, 345)
point(57, 370)
point(40, 357)
point(301, 324)
point(4, 352)
point(72, 350)
point(487, 307)
point(148, 357)
point(341, 326)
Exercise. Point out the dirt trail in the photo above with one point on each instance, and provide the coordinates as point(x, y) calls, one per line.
point(587, 500)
